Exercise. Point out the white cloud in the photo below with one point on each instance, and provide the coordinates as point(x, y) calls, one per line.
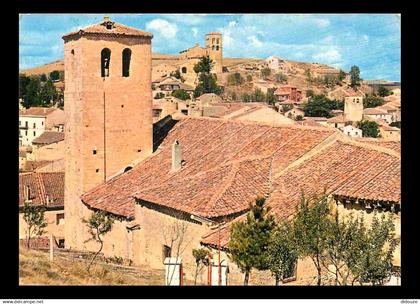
point(163, 27)
point(255, 42)
point(322, 22)
point(194, 30)
point(365, 38)
point(232, 23)
point(329, 56)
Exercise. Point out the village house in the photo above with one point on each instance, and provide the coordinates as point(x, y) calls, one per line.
point(168, 186)
point(338, 122)
point(351, 131)
point(275, 63)
point(48, 146)
point(35, 120)
point(288, 93)
point(47, 190)
point(377, 113)
point(390, 133)
point(323, 121)
point(167, 85)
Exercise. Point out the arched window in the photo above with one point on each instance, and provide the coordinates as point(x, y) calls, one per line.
point(126, 58)
point(217, 47)
point(184, 70)
point(105, 61)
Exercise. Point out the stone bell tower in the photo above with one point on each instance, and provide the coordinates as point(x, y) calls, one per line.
point(108, 108)
point(214, 48)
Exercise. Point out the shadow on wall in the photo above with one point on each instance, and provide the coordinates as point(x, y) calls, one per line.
point(161, 130)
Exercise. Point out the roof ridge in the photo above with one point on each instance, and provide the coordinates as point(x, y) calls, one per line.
point(370, 146)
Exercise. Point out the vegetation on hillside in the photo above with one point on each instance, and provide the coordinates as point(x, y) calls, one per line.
point(355, 76)
point(39, 91)
point(371, 101)
point(181, 94)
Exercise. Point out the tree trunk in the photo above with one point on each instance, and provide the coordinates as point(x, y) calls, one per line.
point(318, 268)
point(94, 257)
point(277, 281)
point(246, 279)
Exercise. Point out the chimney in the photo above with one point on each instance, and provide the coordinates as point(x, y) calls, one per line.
point(176, 155)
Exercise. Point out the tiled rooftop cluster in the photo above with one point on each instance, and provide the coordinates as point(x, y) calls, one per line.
point(46, 188)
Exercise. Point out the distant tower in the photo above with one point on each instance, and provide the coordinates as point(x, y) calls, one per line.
point(108, 108)
point(214, 48)
point(353, 108)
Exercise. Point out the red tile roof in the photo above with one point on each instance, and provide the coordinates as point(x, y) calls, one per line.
point(37, 111)
point(117, 30)
point(227, 165)
point(344, 168)
point(42, 186)
point(49, 137)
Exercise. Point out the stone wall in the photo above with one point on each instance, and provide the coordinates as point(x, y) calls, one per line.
point(57, 229)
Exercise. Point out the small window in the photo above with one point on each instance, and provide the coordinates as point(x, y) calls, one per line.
point(26, 133)
point(97, 170)
point(42, 123)
point(126, 58)
point(60, 243)
point(212, 41)
point(34, 133)
point(166, 252)
point(217, 47)
point(34, 125)
point(26, 124)
point(94, 152)
point(217, 41)
point(72, 52)
point(60, 219)
point(184, 70)
point(105, 62)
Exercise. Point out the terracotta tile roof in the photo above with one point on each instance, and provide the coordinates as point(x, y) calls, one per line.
point(338, 119)
point(389, 144)
point(42, 185)
point(37, 111)
point(117, 30)
point(31, 165)
point(374, 111)
point(352, 93)
point(389, 128)
point(49, 137)
point(343, 168)
point(227, 165)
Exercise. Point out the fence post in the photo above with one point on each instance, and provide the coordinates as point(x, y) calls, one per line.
point(51, 248)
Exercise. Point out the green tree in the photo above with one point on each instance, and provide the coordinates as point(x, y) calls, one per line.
point(201, 259)
point(321, 106)
point(310, 93)
point(47, 94)
point(258, 95)
point(35, 221)
point(355, 76)
point(181, 94)
point(341, 75)
point(280, 77)
point(299, 118)
point(282, 254)
point(43, 77)
point(246, 97)
point(235, 79)
point(375, 252)
point(207, 82)
point(310, 228)
point(33, 88)
point(308, 75)
point(372, 101)
point(98, 224)
point(369, 128)
point(265, 72)
point(249, 77)
point(383, 92)
point(270, 98)
point(23, 83)
point(249, 239)
point(55, 75)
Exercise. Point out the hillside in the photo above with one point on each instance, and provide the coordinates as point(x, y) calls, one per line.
point(36, 269)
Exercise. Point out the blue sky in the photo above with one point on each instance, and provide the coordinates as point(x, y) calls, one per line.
point(371, 41)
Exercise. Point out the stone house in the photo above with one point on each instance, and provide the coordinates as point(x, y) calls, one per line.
point(288, 92)
point(377, 113)
point(390, 133)
point(35, 120)
point(351, 131)
point(169, 84)
point(338, 122)
point(275, 63)
point(48, 146)
point(43, 189)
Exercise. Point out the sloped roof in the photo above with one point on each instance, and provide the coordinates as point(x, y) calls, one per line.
point(42, 185)
point(374, 111)
point(49, 137)
point(227, 165)
point(338, 119)
point(117, 30)
point(344, 168)
point(37, 111)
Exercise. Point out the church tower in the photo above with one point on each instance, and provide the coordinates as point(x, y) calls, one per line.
point(353, 107)
point(214, 48)
point(108, 109)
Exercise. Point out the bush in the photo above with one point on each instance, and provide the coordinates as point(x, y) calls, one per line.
point(181, 94)
point(235, 79)
point(372, 101)
point(265, 72)
point(369, 128)
point(280, 77)
point(321, 106)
